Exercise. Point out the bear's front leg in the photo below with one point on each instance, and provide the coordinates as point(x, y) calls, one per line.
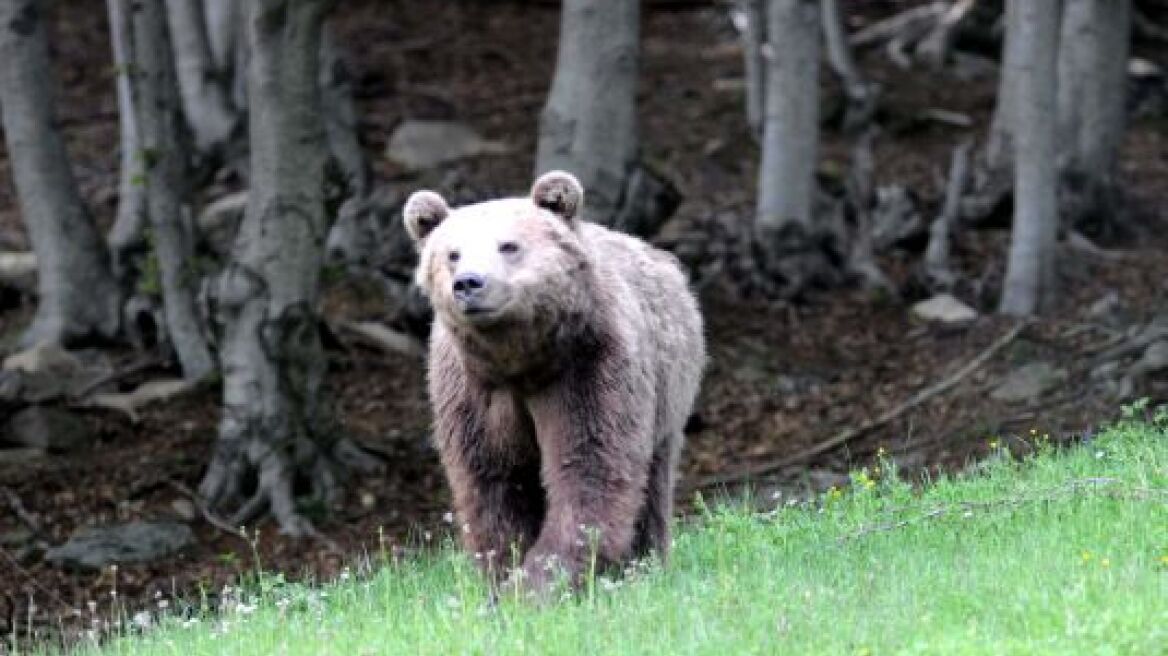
point(489, 454)
point(595, 442)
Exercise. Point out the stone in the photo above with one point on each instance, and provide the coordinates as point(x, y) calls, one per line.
point(419, 145)
point(184, 510)
point(945, 309)
point(44, 358)
point(46, 428)
point(93, 548)
point(1028, 383)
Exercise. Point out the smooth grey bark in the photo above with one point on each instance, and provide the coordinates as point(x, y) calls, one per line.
point(790, 147)
point(273, 424)
point(127, 232)
point(78, 295)
point(999, 151)
point(788, 238)
point(1092, 116)
point(751, 23)
point(1030, 273)
point(159, 114)
point(228, 44)
point(205, 102)
point(589, 124)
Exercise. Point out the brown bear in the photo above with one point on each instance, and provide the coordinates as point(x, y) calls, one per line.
point(564, 361)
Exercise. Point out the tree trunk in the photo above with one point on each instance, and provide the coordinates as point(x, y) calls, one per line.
point(167, 181)
point(1030, 273)
point(126, 235)
point(204, 95)
point(752, 25)
point(78, 295)
point(272, 431)
point(589, 124)
point(1092, 79)
point(786, 178)
point(341, 118)
point(999, 152)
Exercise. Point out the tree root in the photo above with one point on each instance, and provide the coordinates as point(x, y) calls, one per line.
point(261, 478)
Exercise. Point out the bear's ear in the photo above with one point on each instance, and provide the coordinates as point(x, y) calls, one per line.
point(424, 211)
point(560, 193)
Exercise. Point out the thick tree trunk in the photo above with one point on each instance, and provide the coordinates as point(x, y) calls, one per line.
point(204, 95)
point(589, 124)
point(272, 431)
point(126, 235)
point(167, 181)
point(78, 295)
point(1030, 274)
point(1092, 79)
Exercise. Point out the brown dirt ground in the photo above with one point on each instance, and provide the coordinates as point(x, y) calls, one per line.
point(782, 377)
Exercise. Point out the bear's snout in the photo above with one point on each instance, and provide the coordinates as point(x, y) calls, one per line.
point(469, 288)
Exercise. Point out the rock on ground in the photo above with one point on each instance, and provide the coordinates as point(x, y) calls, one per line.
point(420, 145)
point(93, 548)
point(1028, 383)
point(945, 309)
point(46, 428)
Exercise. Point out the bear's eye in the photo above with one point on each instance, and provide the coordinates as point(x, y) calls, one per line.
point(453, 256)
point(508, 247)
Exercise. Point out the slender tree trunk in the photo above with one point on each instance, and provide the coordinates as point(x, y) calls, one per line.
point(167, 180)
point(999, 152)
point(1092, 113)
point(78, 295)
point(126, 235)
point(752, 17)
point(204, 95)
point(1030, 274)
point(271, 432)
point(785, 231)
point(790, 148)
point(589, 124)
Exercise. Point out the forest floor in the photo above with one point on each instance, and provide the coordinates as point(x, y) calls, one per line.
point(782, 377)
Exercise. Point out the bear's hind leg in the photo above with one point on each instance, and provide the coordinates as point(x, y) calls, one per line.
point(653, 522)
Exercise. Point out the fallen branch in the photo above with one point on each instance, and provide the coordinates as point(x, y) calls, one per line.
point(850, 434)
point(137, 366)
point(20, 511)
point(911, 20)
point(145, 394)
point(1079, 242)
point(384, 337)
point(937, 44)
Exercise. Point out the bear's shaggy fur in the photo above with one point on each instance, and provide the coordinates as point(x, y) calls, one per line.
point(564, 361)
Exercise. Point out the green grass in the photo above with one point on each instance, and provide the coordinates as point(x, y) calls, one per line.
point(1065, 552)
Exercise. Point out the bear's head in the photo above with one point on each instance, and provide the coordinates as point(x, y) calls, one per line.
point(504, 262)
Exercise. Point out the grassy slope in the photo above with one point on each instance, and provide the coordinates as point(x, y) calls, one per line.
point(1066, 553)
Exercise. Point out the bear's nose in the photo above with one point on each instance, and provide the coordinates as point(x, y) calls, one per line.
point(468, 285)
